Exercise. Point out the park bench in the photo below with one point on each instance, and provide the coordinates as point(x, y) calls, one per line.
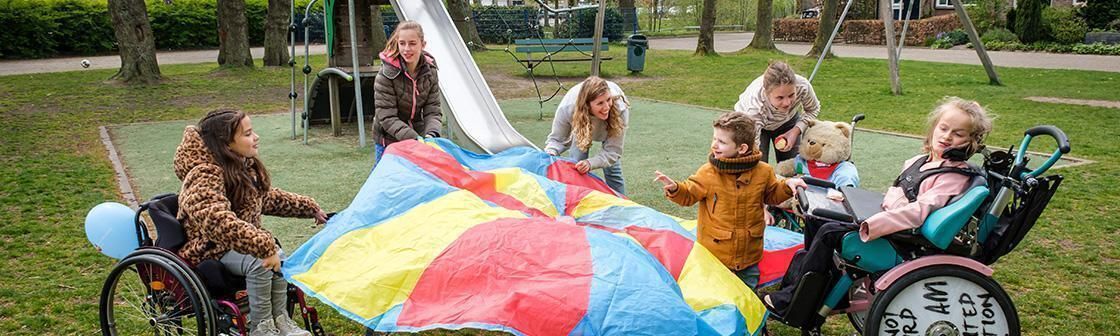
point(548, 48)
point(717, 27)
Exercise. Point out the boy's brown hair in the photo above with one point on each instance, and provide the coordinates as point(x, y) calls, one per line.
point(741, 128)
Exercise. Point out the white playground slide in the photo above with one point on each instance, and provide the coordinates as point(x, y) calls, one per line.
point(473, 113)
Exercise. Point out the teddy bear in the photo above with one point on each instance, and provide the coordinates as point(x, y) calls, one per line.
point(825, 149)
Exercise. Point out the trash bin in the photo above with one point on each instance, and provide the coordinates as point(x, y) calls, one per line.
point(636, 46)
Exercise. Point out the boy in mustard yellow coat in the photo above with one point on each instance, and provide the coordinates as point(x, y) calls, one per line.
point(732, 187)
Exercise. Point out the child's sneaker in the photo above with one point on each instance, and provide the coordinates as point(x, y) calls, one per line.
point(287, 327)
point(265, 328)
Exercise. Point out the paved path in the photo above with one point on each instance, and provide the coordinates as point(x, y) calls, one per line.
point(725, 42)
point(114, 61)
point(729, 42)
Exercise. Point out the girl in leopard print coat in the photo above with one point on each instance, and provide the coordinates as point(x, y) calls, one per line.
point(225, 191)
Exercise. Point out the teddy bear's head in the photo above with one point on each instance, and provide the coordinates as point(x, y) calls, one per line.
point(826, 141)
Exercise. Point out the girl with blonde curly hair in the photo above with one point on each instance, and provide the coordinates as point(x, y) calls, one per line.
point(593, 110)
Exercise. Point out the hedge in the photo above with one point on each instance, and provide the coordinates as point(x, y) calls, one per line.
point(866, 31)
point(46, 28)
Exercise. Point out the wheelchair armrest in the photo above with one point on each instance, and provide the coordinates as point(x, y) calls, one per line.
point(942, 225)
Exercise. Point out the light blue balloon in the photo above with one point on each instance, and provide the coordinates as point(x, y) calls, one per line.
point(110, 228)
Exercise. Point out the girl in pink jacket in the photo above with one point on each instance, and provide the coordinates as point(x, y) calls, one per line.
point(956, 124)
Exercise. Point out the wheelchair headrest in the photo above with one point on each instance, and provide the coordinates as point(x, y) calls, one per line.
point(164, 210)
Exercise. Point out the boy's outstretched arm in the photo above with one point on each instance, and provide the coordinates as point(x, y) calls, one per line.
point(685, 193)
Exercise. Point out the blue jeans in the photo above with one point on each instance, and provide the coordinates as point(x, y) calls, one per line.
point(749, 276)
point(378, 151)
point(612, 175)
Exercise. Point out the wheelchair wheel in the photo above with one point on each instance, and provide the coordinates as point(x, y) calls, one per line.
point(150, 294)
point(943, 300)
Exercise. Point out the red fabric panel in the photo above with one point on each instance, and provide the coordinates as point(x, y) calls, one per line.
point(565, 172)
point(529, 274)
point(775, 263)
point(444, 167)
point(670, 248)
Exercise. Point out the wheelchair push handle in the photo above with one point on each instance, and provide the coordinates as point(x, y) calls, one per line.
point(1063, 141)
point(1020, 170)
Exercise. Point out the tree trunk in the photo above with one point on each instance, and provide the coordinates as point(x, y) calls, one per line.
point(827, 21)
point(629, 15)
point(276, 34)
point(135, 42)
point(233, 34)
point(378, 39)
point(460, 11)
point(763, 33)
point(706, 44)
point(892, 56)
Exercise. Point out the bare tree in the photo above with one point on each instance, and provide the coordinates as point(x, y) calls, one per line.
point(763, 33)
point(705, 43)
point(276, 32)
point(233, 34)
point(460, 11)
point(378, 38)
point(135, 42)
point(629, 15)
point(826, 22)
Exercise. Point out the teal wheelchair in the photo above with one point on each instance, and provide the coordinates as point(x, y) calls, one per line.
point(935, 279)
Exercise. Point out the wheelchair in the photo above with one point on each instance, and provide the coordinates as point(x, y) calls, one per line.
point(935, 279)
point(153, 291)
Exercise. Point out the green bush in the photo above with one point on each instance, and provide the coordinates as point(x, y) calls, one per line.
point(1080, 48)
point(999, 35)
point(1028, 21)
point(83, 27)
point(45, 28)
point(28, 30)
point(503, 24)
point(1100, 14)
point(988, 14)
point(1097, 49)
point(1063, 25)
point(582, 24)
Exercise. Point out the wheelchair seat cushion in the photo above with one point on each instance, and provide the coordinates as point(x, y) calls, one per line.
point(219, 281)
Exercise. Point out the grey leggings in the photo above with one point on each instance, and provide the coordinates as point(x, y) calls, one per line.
point(268, 291)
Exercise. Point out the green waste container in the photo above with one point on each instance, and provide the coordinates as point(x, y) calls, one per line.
point(636, 46)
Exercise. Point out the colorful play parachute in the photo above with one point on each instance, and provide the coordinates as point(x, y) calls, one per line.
point(439, 237)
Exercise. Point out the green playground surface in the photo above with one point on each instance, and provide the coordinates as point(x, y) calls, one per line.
point(669, 137)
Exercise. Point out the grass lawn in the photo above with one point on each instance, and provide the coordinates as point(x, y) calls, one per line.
point(53, 168)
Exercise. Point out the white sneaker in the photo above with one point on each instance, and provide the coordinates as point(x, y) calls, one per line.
point(265, 328)
point(287, 327)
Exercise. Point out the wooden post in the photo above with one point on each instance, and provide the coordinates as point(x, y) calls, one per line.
point(892, 56)
point(596, 52)
point(993, 78)
point(332, 86)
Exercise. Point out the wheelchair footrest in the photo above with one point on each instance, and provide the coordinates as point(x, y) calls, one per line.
point(802, 309)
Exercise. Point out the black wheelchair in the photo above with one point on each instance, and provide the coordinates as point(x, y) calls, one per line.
point(153, 291)
point(935, 279)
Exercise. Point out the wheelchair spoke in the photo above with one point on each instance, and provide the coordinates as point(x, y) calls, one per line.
point(147, 297)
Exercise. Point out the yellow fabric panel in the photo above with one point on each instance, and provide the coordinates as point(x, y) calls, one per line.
point(351, 271)
point(514, 182)
point(706, 283)
point(598, 201)
point(687, 224)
